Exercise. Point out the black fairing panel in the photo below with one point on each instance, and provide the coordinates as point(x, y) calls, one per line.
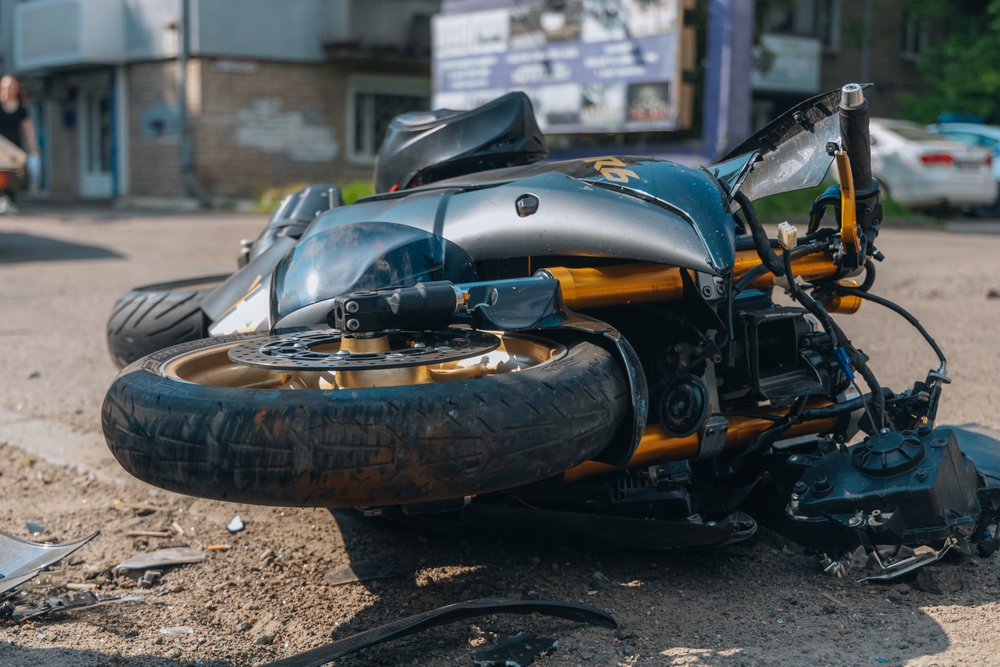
point(656, 212)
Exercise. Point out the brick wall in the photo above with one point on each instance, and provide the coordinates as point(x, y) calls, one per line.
point(278, 125)
point(154, 139)
point(63, 150)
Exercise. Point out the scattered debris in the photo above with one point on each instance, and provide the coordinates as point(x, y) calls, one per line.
point(178, 630)
point(939, 579)
point(263, 640)
point(76, 601)
point(217, 547)
point(993, 294)
point(149, 579)
point(177, 527)
point(31, 375)
point(36, 528)
point(362, 570)
point(600, 581)
point(517, 651)
point(236, 525)
point(20, 561)
point(163, 558)
point(148, 533)
point(405, 627)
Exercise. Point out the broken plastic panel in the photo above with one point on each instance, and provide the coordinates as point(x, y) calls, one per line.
point(20, 561)
point(362, 570)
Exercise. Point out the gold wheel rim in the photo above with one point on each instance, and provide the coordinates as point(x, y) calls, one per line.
point(212, 367)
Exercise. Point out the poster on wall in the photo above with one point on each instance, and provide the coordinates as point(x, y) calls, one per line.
point(587, 65)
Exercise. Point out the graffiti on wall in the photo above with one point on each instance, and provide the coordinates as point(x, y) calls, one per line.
point(295, 134)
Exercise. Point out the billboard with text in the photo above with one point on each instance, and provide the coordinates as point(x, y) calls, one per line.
point(588, 65)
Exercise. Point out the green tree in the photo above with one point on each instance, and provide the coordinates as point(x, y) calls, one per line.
point(961, 68)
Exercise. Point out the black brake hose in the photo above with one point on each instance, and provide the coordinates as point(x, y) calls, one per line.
point(869, 277)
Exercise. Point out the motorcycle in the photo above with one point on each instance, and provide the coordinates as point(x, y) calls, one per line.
point(152, 317)
point(587, 348)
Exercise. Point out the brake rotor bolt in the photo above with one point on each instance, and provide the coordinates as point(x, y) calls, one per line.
point(353, 325)
point(822, 484)
point(800, 488)
point(706, 290)
point(352, 306)
point(921, 475)
point(855, 521)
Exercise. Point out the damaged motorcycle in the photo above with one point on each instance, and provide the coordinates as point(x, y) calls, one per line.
point(590, 348)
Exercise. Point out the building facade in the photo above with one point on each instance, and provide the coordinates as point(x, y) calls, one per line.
point(819, 45)
point(274, 93)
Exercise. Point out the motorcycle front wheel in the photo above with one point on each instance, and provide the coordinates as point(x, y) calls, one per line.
point(191, 420)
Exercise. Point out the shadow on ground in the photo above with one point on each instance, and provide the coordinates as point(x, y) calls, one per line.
point(14, 655)
point(747, 604)
point(16, 247)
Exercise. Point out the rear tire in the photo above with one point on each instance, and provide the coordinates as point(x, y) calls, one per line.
point(155, 317)
point(362, 447)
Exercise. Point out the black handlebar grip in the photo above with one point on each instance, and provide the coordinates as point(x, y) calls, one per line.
point(854, 136)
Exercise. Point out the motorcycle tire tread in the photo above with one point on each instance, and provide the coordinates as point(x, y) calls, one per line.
point(151, 318)
point(363, 447)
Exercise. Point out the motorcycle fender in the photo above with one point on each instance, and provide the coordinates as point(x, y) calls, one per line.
point(621, 448)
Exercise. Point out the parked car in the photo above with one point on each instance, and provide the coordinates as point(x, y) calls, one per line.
point(971, 131)
point(923, 170)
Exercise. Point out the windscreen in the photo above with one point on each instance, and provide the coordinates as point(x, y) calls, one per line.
point(791, 151)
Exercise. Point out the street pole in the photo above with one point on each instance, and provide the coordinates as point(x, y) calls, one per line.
point(188, 178)
point(868, 14)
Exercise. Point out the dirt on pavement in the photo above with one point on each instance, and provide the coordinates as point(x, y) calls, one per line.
point(763, 602)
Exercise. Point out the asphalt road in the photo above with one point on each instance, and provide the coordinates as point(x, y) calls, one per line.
point(60, 273)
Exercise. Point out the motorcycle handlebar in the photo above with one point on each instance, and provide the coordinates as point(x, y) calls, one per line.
point(854, 134)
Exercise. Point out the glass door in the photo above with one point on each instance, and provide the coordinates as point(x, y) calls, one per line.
point(96, 132)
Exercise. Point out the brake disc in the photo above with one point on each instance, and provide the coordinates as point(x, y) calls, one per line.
point(298, 351)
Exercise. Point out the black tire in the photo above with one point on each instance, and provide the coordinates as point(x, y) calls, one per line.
point(155, 317)
point(363, 447)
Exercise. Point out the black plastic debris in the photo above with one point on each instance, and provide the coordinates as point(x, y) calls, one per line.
point(362, 570)
point(410, 625)
point(20, 561)
point(517, 651)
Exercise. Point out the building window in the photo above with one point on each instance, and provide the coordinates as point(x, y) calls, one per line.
point(913, 39)
point(372, 103)
point(809, 18)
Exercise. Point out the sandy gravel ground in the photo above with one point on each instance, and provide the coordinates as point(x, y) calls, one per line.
point(759, 603)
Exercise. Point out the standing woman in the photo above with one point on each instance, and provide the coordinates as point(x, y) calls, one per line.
point(15, 124)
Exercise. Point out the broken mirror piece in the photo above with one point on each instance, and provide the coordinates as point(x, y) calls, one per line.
point(179, 630)
point(517, 651)
point(236, 525)
point(362, 570)
point(163, 558)
point(36, 528)
point(20, 560)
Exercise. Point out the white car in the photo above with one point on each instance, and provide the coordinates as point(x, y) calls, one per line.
point(922, 170)
point(972, 132)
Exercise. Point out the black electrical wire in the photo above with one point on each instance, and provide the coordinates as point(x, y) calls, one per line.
point(896, 308)
point(808, 302)
point(869, 277)
point(760, 239)
point(758, 271)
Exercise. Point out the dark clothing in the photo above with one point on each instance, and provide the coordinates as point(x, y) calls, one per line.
point(10, 124)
